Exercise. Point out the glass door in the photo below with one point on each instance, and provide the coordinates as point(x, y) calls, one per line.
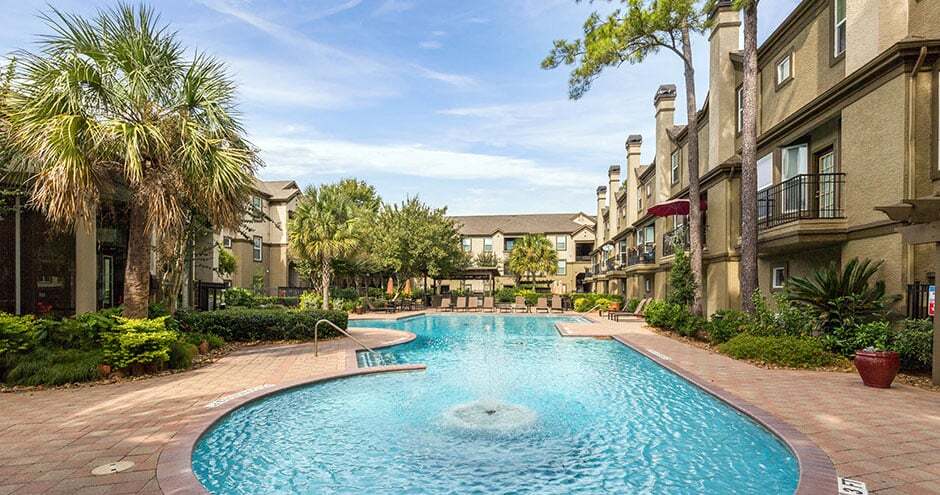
point(793, 165)
point(827, 186)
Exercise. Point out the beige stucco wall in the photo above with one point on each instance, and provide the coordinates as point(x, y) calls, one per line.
point(889, 248)
point(722, 96)
point(873, 26)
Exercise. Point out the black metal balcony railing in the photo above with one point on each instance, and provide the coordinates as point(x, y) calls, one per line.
point(609, 265)
point(806, 196)
point(645, 253)
point(680, 234)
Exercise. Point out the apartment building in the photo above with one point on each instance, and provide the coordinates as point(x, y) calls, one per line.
point(46, 270)
point(572, 234)
point(847, 122)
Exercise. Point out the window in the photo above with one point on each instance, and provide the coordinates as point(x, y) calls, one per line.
point(508, 244)
point(256, 248)
point(466, 244)
point(649, 190)
point(256, 208)
point(838, 31)
point(639, 204)
point(675, 166)
point(765, 179)
point(487, 244)
point(647, 285)
point(784, 69)
point(792, 165)
point(740, 103)
point(779, 277)
point(562, 267)
point(227, 242)
point(561, 243)
point(650, 234)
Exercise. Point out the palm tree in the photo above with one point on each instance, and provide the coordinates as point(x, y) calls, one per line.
point(533, 255)
point(113, 107)
point(327, 225)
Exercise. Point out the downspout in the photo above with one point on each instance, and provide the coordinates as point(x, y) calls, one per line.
point(911, 162)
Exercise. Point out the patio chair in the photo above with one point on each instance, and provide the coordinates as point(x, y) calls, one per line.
point(505, 307)
point(541, 305)
point(520, 305)
point(461, 304)
point(488, 305)
point(446, 304)
point(473, 304)
point(556, 304)
point(637, 312)
point(384, 308)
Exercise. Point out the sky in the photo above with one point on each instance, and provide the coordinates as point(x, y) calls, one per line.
point(440, 99)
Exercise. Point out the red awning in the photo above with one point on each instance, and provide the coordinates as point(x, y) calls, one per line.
point(674, 207)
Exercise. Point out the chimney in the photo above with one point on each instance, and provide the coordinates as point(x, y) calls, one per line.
point(613, 179)
point(665, 103)
point(722, 97)
point(601, 228)
point(634, 141)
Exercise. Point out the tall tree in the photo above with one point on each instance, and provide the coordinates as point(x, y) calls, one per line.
point(114, 105)
point(329, 224)
point(533, 255)
point(748, 270)
point(629, 35)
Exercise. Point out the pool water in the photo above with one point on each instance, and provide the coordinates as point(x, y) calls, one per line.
point(505, 406)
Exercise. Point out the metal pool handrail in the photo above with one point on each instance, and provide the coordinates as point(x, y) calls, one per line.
point(316, 332)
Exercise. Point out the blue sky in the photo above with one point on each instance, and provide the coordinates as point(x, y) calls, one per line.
point(441, 99)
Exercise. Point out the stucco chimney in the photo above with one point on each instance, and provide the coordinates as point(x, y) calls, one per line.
point(722, 96)
point(601, 228)
point(630, 183)
point(665, 103)
point(613, 180)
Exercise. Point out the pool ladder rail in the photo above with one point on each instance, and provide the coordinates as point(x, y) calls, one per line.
point(316, 339)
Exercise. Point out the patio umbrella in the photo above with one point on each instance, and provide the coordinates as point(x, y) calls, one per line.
point(674, 207)
point(407, 289)
point(390, 289)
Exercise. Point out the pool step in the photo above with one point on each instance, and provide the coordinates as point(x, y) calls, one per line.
point(371, 359)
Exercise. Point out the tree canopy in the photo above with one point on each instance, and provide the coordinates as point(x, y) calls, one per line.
point(533, 255)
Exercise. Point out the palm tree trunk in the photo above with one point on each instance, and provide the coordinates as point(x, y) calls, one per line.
point(748, 271)
point(137, 270)
point(325, 270)
point(695, 214)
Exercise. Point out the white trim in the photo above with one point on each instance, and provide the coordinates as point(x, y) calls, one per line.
point(773, 277)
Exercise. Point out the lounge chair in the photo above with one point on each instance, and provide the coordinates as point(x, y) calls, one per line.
point(378, 309)
point(541, 305)
point(556, 304)
point(473, 304)
point(637, 312)
point(488, 305)
point(520, 305)
point(461, 304)
point(505, 307)
point(446, 304)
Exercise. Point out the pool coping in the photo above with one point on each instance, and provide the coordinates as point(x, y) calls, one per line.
point(175, 464)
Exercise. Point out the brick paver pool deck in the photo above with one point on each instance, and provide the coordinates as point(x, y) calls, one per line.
point(51, 440)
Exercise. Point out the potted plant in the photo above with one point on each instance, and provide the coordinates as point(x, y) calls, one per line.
point(876, 363)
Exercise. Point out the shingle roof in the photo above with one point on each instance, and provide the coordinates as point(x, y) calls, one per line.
point(277, 189)
point(539, 223)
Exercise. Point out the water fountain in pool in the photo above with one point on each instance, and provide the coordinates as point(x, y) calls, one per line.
point(489, 416)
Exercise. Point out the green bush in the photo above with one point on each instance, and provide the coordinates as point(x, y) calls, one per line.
point(587, 301)
point(914, 342)
point(631, 304)
point(52, 367)
point(237, 296)
point(138, 342)
point(181, 355)
point(531, 297)
point(786, 319)
point(287, 301)
point(375, 293)
point(726, 324)
point(16, 333)
point(344, 293)
point(310, 300)
point(196, 338)
point(674, 317)
point(506, 295)
point(247, 325)
point(785, 350)
point(657, 313)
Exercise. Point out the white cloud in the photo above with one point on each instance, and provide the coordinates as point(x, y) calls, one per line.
point(394, 6)
point(431, 45)
point(438, 33)
point(455, 80)
point(299, 158)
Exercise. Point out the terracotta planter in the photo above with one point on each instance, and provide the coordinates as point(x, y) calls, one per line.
point(104, 370)
point(877, 369)
point(614, 306)
point(203, 347)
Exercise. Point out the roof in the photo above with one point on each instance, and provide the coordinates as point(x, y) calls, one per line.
point(277, 190)
point(538, 223)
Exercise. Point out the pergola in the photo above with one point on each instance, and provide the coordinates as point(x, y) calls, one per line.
point(478, 273)
point(920, 220)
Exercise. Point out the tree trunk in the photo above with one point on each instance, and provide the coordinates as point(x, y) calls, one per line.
point(748, 270)
point(137, 270)
point(325, 270)
point(695, 214)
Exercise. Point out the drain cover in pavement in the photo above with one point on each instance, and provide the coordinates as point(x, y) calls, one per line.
point(111, 468)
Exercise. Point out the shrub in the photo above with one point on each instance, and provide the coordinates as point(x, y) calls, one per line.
point(531, 297)
point(16, 333)
point(287, 301)
point(506, 295)
point(344, 293)
point(656, 313)
point(196, 338)
point(138, 342)
point(914, 342)
point(681, 281)
point(784, 350)
point(726, 324)
point(786, 319)
point(631, 304)
point(237, 296)
point(375, 293)
point(181, 355)
point(310, 300)
point(246, 325)
point(587, 301)
point(46, 366)
point(156, 310)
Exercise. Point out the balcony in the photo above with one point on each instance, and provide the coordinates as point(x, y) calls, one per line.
point(806, 196)
point(643, 254)
point(680, 234)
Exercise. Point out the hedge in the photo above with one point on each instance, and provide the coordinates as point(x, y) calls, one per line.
point(787, 350)
point(247, 325)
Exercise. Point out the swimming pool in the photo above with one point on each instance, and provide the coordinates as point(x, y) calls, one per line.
point(506, 405)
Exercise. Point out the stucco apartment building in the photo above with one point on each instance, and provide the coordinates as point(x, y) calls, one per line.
point(45, 270)
point(847, 122)
point(572, 234)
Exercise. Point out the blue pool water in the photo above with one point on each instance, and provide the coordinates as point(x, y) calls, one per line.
point(505, 406)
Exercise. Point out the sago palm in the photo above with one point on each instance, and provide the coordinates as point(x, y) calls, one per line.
point(113, 107)
point(533, 255)
point(324, 227)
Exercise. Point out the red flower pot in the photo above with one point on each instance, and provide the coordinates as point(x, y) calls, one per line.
point(877, 369)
